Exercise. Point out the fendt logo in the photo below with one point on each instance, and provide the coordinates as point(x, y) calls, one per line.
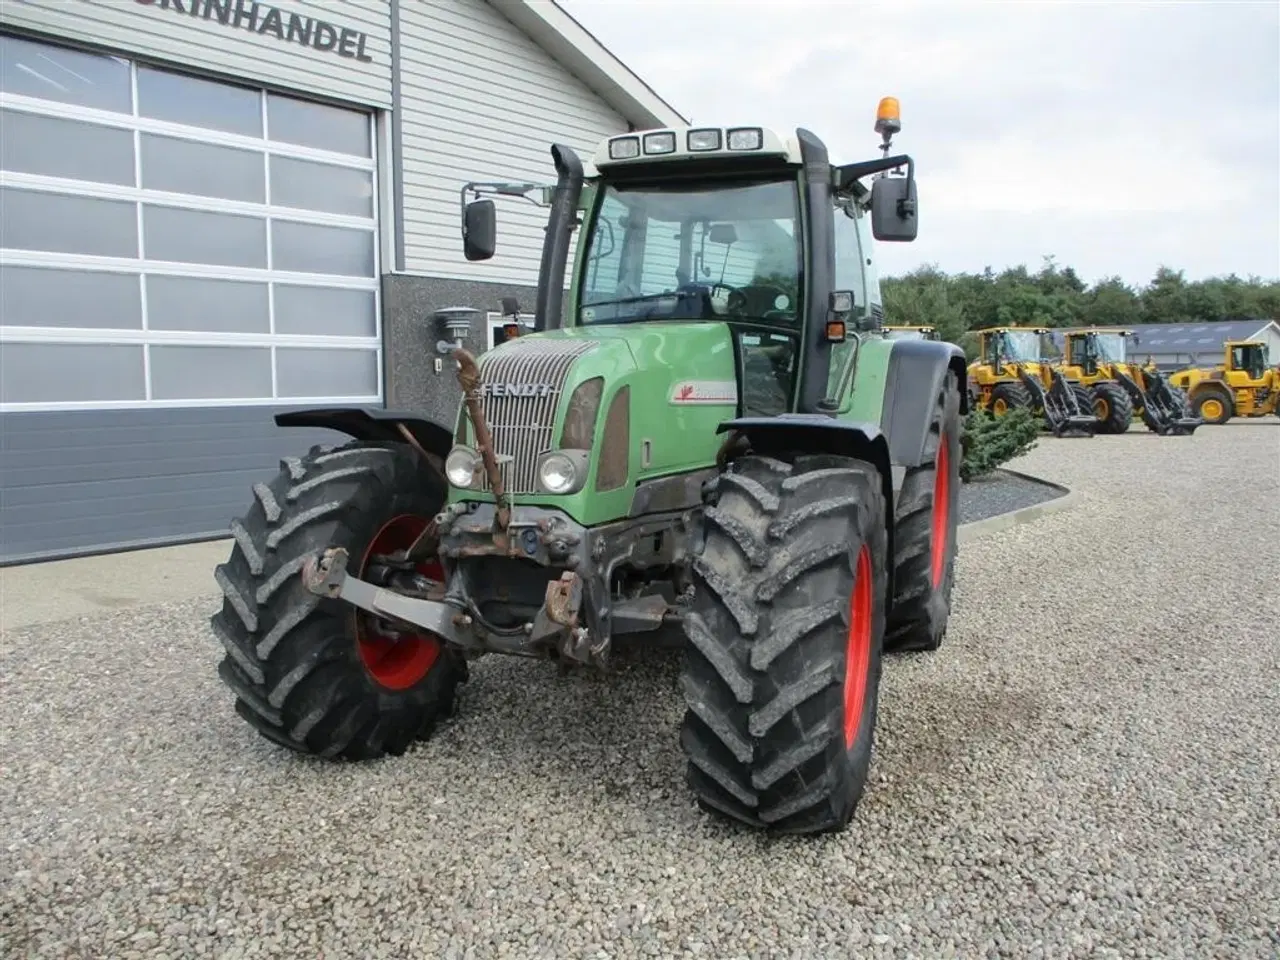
point(522, 390)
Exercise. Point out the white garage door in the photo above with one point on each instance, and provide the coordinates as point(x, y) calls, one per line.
point(168, 240)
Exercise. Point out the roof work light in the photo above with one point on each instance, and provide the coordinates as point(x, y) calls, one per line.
point(888, 121)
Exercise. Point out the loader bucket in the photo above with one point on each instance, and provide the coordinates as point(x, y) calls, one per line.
point(1162, 411)
point(1062, 410)
point(1169, 409)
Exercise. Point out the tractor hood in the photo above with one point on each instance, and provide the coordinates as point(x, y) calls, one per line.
point(643, 398)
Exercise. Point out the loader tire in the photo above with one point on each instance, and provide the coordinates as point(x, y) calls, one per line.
point(317, 675)
point(784, 635)
point(1213, 406)
point(1113, 407)
point(1007, 396)
point(924, 535)
point(1084, 399)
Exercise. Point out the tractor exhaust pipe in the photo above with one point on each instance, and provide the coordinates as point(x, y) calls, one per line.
point(549, 307)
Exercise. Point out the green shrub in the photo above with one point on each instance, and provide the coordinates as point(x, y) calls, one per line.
point(989, 441)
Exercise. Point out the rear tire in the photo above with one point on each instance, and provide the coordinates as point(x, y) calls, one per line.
point(300, 666)
point(924, 536)
point(784, 636)
point(1112, 406)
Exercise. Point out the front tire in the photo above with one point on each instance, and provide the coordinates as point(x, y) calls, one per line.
point(924, 538)
point(784, 635)
point(319, 676)
point(1112, 406)
point(1009, 396)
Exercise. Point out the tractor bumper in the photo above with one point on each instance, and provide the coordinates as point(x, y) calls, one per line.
point(325, 575)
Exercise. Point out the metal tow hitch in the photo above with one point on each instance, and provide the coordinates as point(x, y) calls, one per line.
point(326, 575)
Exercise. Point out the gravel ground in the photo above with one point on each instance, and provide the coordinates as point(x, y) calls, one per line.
point(1100, 782)
point(1000, 492)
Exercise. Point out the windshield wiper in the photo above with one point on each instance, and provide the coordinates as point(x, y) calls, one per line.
point(675, 296)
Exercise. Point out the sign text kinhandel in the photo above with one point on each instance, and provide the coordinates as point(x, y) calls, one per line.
point(268, 21)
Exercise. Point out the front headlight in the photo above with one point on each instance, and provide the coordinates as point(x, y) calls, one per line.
point(462, 467)
point(563, 471)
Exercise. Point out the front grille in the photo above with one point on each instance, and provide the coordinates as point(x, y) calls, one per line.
point(523, 427)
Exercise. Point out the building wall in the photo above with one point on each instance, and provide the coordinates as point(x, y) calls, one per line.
point(166, 456)
point(339, 49)
point(1271, 336)
point(183, 258)
point(93, 480)
point(413, 384)
point(480, 101)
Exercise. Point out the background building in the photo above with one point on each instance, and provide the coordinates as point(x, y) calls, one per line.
point(212, 210)
point(1176, 345)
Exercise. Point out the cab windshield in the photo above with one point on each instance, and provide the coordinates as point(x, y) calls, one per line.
point(1111, 348)
point(1020, 345)
point(694, 252)
point(904, 334)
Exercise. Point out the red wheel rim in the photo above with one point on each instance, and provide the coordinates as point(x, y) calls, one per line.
point(857, 655)
point(397, 662)
point(941, 509)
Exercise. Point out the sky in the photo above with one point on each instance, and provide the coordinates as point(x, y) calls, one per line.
point(1114, 137)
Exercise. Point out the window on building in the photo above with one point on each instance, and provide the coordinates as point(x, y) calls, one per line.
point(169, 239)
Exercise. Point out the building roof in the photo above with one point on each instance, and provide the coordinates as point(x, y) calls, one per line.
point(557, 32)
point(1193, 337)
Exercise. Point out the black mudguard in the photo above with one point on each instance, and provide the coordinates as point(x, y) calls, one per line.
point(373, 425)
point(790, 433)
point(914, 377)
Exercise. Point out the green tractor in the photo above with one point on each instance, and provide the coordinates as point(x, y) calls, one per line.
point(705, 433)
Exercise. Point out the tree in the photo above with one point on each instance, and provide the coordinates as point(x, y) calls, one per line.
point(1055, 296)
point(989, 441)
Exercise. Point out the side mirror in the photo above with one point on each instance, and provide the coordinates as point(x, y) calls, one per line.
point(893, 209)
point(479, 230)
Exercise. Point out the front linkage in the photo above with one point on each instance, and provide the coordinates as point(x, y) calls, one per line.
point(577, 617)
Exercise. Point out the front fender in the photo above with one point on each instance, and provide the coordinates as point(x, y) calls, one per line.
point(792, 433)
point(373, 425)
point(917, 370)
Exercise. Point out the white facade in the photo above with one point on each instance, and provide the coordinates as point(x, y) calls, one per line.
point(1269, 333)
point(205, 204)
point(179, 241)
point(481, 101)
point(239, 229)
point(339, 49)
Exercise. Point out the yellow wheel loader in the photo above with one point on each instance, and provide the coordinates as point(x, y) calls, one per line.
point(1095, 361)
point(1245, 385)
point(1011, 371)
